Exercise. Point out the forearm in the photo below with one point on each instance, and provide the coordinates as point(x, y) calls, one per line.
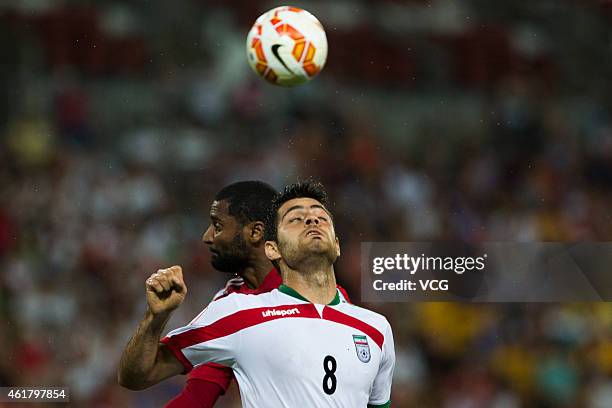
point(138, 366)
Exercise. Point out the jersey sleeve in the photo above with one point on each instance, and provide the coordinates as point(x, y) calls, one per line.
point(380, 396)
point(196, 394)
point(214, 373)
point(212, 337)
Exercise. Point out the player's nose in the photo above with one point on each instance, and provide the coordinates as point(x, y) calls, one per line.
point(207, 236)
point(312, 219)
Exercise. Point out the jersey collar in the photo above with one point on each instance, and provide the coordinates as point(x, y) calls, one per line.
point(293, 293)
point(270, 282)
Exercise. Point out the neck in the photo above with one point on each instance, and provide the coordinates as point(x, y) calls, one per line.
point(316, 284)
point(255, 273)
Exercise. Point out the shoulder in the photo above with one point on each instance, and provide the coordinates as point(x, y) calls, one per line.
point(231, 304)
point(234, 285)
point(368, 316)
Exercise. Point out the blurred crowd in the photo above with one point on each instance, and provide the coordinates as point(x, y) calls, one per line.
point(433, 120)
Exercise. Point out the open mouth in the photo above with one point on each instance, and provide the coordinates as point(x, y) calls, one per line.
point(314, 233)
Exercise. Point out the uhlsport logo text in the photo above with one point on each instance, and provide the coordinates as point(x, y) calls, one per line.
point(280, 312)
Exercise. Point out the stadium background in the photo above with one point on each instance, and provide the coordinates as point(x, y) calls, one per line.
point(439, 119)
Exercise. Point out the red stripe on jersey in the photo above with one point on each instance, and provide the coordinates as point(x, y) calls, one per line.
point(237, 321)
point(339, 317)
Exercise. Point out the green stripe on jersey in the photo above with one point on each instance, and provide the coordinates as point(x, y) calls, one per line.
point(292, 292)
point(385, 405)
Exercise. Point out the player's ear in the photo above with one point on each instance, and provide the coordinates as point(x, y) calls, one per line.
point(256, 232)
point(272, 251)
point(337, 247)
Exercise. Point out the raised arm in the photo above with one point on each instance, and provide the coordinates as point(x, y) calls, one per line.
point(146, 361)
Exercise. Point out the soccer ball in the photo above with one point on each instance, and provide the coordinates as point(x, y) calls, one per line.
point(287, 46)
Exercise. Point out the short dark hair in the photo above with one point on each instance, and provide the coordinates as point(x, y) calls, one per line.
point(248, 200)
point(309, 188)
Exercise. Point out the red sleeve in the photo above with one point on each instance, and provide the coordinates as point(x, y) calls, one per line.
point(197, 394)
point(213, 373)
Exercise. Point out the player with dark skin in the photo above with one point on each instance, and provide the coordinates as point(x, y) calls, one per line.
point(235, 241)
point(236, 248)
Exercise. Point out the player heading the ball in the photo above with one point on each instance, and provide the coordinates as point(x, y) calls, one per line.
point(321, 352)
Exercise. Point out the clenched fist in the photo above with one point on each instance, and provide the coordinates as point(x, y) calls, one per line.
point(166, 290)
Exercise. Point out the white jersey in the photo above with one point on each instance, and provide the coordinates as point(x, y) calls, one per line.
point(288, 352)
